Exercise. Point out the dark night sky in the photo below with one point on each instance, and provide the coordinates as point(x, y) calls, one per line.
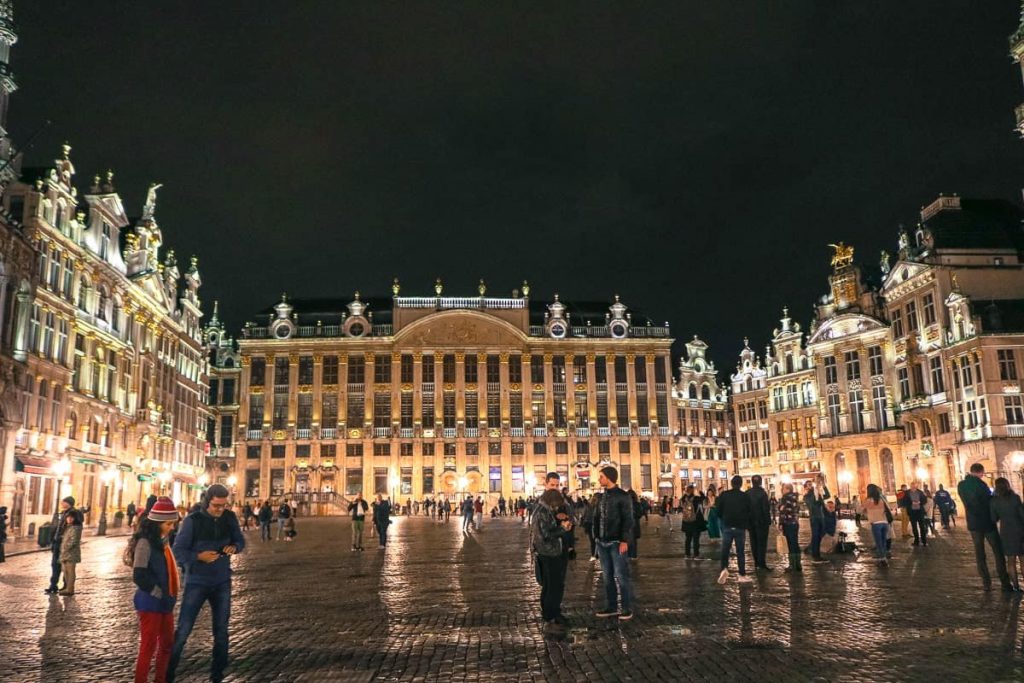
point(694, 157)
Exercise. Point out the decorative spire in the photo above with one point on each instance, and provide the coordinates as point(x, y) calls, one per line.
point(395, 287)
point(438, 287)
point(216, 307)
point(842, 255)
point(482, 287)
point(526, 289)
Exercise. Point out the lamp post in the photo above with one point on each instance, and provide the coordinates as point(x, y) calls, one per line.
point(164, 478)
point(60, 469)
point(232, 482)
point(106, 476)
point(394, 487)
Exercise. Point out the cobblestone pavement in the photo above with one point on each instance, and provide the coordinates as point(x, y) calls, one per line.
point(440, 606)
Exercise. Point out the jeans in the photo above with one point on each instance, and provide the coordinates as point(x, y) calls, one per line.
point(357, 532)
point(919, 525)
point(280, 527)
point(264, 531)
point(54, 567)
point(552, 585)
point(156, 635)
point(979, 538)
point(759, 544)
point(730, 534)
point(880, 532)
point(191, 603)
point(817, 531)
point(945, 517)
point(615, 569)
point(382, 531)
point(792, 534)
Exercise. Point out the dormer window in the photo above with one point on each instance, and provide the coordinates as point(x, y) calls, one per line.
point(105, 241)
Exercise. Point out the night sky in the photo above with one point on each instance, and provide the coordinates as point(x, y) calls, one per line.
point(695, 158)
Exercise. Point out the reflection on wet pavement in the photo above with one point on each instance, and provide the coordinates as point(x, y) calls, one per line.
point(440, 604)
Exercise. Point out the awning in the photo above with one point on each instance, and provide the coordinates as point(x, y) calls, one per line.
point(124, 468)
point(88, 461)
point(33, 464)
point(185, 478)
point(145, 477)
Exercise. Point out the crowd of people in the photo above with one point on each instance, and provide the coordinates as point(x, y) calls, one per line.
point(177, 555)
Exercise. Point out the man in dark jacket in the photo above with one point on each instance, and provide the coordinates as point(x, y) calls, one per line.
point(613, 526)
point(204, 546)
point(551, 529)
point(814, 500)
point(944, 502)
point(914, 502)
point(760, 522)
point(382, 519)
point(736, 513)
point(55, 541)
point(265, 517)
point(976, 496)
point(284, 513)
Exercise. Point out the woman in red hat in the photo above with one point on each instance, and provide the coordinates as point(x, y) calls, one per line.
point(155, 574)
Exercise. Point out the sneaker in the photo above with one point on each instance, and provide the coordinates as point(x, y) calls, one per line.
point(605, 613)
point(50, 591)
point(744, 579)
point(723, 576)
point(625, 615)
point(593, 559)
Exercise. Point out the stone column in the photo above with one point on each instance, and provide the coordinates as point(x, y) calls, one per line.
point(24, 303)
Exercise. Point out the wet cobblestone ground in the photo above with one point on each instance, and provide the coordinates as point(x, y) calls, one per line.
point(441, 606)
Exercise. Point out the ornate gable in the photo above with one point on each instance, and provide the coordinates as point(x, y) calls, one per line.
point(847, 325)
point(460, 328)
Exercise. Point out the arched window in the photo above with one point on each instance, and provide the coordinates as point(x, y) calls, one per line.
point(911, 431)
point(115, 316)
point(693, 390)
point(789, 362)
point(840, 463)
point(705, 392)
point(926, 428)
point(58, 216)
point(83, 294)
point(750, 383)
point(108, 436)
point(73, 426)
point(103, 304)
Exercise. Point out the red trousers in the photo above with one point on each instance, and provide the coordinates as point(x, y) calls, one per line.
point(156, 631)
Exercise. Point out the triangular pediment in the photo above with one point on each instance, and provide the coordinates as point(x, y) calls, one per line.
point(846, 325)
point(150, 284)
point(901, 272)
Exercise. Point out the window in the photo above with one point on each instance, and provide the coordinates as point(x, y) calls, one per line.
point(561, 448)
point(382, 369)
point(604, 448)
point(380, 480)
point(1014, 407)
point(645, 477)
point(918, 384)
point(852, 362)
point(406, 369)
point(1007, 364)
point(257, 372)
point(406, 411)
point(833, 412)
point(330, 370)
point(227, 424)
point(428, 369)
point(537, 369)
point(878, 404)
point(623, 447)
point(252, 452)
point(494, 478)
point(540, 448)
point(780, 434)
point(329, 411)
point(356, 370)
point(912, 316)
point(381, 410)
point(280, 414)
point(472, 411)
point(227, 394)
point(929, 309)
point(356, 410)
point(428, 449)
point(579, 370)
point(517, 479)
point(944, 426)
point(938, 384)
point(601, 370)
point(448, 369)
point(515, 369)
point(252, 483)
point(428, 480)
point(277, 451)
point(903, 378)
point(405, 449)
point(353, 480)
point(896, 317)
point(427, 409)
point(856, 408)
point(471, 369)
point(875, 360)
point(493, 370)
point(965, 371)
point(382, 449)
point(792, 396)
point(304, 415)
point(778, 402)
point(306, 370)
point(61, 352)
point(831, 375)
point(354, 450)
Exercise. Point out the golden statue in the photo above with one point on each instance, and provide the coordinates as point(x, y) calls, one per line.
point(842, 255)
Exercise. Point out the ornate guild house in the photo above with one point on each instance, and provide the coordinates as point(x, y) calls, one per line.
point(417, 396)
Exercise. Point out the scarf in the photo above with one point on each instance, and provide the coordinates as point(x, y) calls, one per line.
point(172, 572)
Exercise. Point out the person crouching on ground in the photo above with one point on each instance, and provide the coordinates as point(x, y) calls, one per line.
point(155, 574)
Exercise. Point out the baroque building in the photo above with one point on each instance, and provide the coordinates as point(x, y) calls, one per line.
point(414, 396)
point(749, 401)
point(704, 445)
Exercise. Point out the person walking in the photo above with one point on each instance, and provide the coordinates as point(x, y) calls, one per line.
point(878, 515)
point(855, 506)
point(977, 498)
point(467, 513)
point(501, 505)
point(913, 503)
point(246, 515)
point(773, 506)
point(691, 509)
point(382, 519)
point(70, 549)
point(613, 523)
point(478, 513)
point(130, 512)
point(357, 510)
point(714, 528)
point(3, 532)
point(284, 513)
point(903, 513)
point(736, 514)
point(760, 522)
point(155, 575)
point(1007, 513)
point(550, 526)
point(944, 502)
point(55, 540)
point(204, 546)
point(587, 522)
point(814, 501)
point(265, 518)
point(789, 525)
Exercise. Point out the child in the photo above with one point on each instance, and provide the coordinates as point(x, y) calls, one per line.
point(155, 573)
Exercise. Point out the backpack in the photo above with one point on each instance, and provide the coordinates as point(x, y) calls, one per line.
point(688, 512)
point(128, 556)
point(285, 511)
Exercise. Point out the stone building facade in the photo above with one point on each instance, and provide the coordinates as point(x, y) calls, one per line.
point(418, 396)
point(705, 447)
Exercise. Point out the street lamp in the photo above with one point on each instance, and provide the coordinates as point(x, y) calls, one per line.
point(106, 476)
point(165, 478)
point(845, 477)
point(921, 473)
point(60, 470)
point(394, 486)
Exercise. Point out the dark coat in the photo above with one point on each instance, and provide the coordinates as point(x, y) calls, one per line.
point(613, 519)
point(734, 509)
point(976, 496)
point(761, 513)
point(1008, 513)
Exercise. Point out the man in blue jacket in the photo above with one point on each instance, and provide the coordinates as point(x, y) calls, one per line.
point(204, 546)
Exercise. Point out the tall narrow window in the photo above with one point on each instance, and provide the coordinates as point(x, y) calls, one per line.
point(1007, 364)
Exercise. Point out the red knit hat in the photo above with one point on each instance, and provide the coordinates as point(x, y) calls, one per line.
point(163, 510)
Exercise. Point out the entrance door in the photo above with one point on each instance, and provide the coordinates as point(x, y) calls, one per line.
point(302, 482)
